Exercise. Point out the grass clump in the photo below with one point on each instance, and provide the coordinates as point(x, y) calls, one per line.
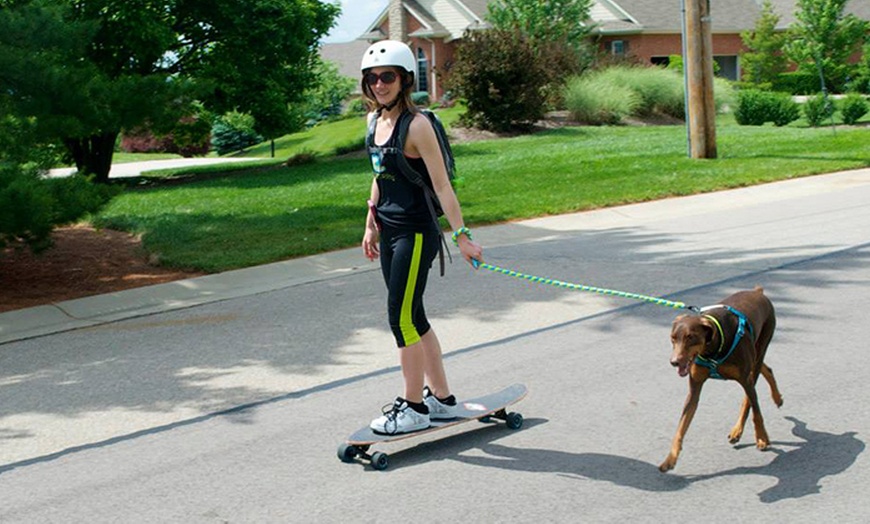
point(598, 100)
point(609, 96)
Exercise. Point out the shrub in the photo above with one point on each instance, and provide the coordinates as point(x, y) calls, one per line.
point(30, 206)
point(861, 82)
point(356, 107)
point(751, 107)
point(189, 137)
point(853, 107)
point(797, 83)
point(784, 109)
point(503, 79)
point(234, 131)
point(420, 98)
point(817, 109)
point(141, 140)
point(755, 107)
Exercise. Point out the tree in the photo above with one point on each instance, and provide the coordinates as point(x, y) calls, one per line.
point(31, 205)
point(554, 21)
point(85, 70)
point(562, 25)
point(326, 97)
point(763, 60)
point(822, 39)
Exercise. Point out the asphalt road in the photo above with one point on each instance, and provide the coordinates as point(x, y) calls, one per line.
point(232, 410)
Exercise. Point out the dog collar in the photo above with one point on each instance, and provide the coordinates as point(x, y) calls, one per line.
point(721, 333)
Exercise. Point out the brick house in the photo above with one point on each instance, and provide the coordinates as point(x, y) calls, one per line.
point(647, 31)
point(650, 30)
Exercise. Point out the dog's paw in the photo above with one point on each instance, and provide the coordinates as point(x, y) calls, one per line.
point(735, 435)
point(668, 464)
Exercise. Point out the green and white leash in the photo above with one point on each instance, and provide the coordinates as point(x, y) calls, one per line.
point(568, 285)
point(581, 287)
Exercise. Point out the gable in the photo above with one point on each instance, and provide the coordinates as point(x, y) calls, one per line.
point(447, 19)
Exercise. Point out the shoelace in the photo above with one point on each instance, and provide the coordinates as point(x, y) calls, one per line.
point(391, 411)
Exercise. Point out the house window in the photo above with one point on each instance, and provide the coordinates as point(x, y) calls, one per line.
point(422, 71)
point(618, 47)
point(727, 67)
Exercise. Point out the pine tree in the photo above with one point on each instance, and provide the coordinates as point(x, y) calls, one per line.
point(764, 60)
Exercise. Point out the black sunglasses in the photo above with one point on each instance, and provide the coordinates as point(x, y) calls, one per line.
point(387, 77)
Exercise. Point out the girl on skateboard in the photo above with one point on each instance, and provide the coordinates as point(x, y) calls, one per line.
point(400, 230)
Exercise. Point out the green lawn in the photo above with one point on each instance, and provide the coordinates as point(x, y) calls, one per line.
point(253, 217)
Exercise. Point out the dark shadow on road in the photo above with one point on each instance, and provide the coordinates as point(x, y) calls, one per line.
point(799, 471)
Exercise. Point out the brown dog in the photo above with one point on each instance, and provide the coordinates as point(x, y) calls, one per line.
point(725, 341)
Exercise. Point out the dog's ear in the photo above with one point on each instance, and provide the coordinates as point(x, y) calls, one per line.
point(709, 331)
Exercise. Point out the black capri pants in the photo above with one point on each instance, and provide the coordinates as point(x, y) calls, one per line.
point(406, 257)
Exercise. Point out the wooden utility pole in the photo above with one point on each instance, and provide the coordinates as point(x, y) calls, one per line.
point(698, 68)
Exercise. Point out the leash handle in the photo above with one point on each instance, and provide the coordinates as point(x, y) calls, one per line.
point(581, 287)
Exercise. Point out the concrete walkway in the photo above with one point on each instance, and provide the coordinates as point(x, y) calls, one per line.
point(131, 169)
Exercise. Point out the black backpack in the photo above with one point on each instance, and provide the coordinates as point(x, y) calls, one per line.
point(412, 174)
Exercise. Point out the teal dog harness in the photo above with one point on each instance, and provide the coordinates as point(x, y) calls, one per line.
point(743, 327)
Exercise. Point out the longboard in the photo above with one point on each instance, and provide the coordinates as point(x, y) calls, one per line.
point(492, 406)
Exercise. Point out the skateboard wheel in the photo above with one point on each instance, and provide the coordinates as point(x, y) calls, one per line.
point(514, 420)
point(380, 460)
point(347, 452)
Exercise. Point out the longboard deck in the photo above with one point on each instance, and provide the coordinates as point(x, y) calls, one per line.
point(492, 405)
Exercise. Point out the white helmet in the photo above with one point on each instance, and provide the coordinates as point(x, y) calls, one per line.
point(389, 53)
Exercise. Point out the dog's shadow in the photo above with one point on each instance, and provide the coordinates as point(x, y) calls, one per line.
point(799, 470)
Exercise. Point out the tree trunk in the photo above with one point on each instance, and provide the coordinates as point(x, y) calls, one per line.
point(93, 154)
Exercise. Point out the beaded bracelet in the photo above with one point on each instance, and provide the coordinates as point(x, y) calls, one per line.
point(461, 231)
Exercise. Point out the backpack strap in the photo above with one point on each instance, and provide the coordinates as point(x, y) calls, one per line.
point(370, 132)
point(416, 178)
point(410, 173)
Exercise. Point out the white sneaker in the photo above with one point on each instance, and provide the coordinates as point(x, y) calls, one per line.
point(399, 418)
point(437, 409)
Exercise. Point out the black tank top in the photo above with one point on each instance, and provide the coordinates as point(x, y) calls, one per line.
point(402, 203)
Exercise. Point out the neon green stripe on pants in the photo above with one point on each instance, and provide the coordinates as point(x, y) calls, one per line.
point(406, 323)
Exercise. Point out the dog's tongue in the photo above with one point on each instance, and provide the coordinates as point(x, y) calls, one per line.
point(683, 370)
